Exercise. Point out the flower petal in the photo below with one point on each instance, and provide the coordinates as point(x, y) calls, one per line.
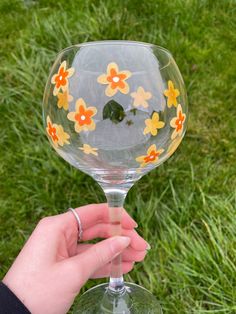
point(78, 128)
point(173, 146)
point(173, 135)
point(151, 148)
point(148, 95)
point(71, 116)
point(112, 65)
point(94, 109)
point(79, 102)
point(170, 85)
point(146, 130)
point(102, 79)
point(48, 120)
point(94, 153)
point(71, 71)
point(172, 122)
point(92, 126)
point(125, 89)
point(110, 91)
point(63, 65)
point(153, 131)
point(140, 158)
point(64, 87)
point(53, 78)
point(55, 91)
point(160, 151)
point(62, 136)
point(160, 124)
point(179, 109)
point(126, 73)
point(155, 117)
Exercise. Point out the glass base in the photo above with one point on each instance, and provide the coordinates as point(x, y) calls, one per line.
point(133, 300)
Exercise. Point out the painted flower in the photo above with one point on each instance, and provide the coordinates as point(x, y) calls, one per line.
point(153, 124)
point(115, 79)
point(151, 157)
point(87, 149)
point(63, 99)
point(83, 116)
point(178, 122)
point(171, 93)
point(57, 133)
point(173, 146)
point(62, 136)
point(51, 130)
point(141, 97)
point(60, 79)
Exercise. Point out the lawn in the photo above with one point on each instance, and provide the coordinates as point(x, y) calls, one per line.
point(186, 207)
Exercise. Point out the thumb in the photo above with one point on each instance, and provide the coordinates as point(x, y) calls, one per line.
point(98, 256)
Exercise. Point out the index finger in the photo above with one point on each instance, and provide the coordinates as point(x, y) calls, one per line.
point(92, 214)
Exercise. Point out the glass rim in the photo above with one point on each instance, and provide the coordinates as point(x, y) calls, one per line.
point(119, 42)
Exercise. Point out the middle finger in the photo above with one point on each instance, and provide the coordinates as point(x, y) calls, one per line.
point(104, 231)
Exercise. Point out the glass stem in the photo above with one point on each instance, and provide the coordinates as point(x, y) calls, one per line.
point(115, 200)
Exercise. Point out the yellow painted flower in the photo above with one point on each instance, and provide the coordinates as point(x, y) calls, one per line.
point(57, 133)
point(83, 116)
point(173, 146)
point(153, 124)
point(171, 93)
point(152, 156)
point(62, 136)
point(178, 122)
point(60, 79)
point(87, 149)
point(63, 99)
point(141, 97)
point(115, 79)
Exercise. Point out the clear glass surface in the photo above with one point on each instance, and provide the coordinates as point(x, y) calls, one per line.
point(135, 300)
point(115, 110)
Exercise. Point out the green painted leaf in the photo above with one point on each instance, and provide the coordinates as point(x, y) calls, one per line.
point(113, 111)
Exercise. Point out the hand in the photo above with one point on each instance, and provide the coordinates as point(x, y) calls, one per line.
point(52, 267)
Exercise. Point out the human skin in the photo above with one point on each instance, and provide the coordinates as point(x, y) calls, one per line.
point(52, 266)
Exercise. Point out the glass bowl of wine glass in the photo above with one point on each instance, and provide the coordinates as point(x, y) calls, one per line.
point(115, 110)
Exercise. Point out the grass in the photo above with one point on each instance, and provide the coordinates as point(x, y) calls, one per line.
point(186, 208)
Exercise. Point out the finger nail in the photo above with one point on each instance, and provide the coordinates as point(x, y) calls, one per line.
point(124, 240)
point(120, 242)
point(134, 223)
point(148, 247)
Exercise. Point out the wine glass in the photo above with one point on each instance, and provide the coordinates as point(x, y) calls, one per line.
point(115, 110)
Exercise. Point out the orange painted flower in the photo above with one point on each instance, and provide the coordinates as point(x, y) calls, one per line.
point(56, 133)
point(63, 99)
point(51, 130)
point(178, 122)
point(141, 97)
point(173, 146)
point(151, 157)
point(153, 124)
point(87, 149)
point(115, 79)
point(171, 93)
point(83, 116)
point(60, 79)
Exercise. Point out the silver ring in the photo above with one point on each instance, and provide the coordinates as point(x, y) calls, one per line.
point(79, 223)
